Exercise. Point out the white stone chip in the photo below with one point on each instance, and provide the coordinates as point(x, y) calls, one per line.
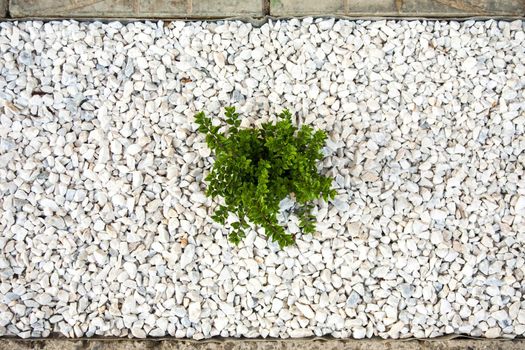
point(106, 228)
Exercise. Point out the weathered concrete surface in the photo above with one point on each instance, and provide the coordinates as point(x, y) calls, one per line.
point(464, 7)
point(135, 8)
point(259, 8)
point(307, 7)
point(403, 8)
point(302, 344)
point(3, 8)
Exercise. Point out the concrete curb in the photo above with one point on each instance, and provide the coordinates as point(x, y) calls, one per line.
point(214, 9)
point(257, 22)
point(252, 344)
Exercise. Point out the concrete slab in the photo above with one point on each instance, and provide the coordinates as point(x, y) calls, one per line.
point(70, 8)
point(404, 8)
point(3, 8)
point(134, 8)
point(453, 8)
point(215, 8)
point(293, 344)
point(259, 8)
point(307, 7)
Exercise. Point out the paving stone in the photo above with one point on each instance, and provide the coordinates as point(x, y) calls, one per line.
point(371, 8)
point(405, 8)
point(3, 8)
point(307, 7)
point(135, 8)
point(254, 8)
point(68, 8)
point(462, 7)
point(214, 8)
point(227, 344)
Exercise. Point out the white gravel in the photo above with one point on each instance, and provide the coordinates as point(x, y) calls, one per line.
point(105, 229)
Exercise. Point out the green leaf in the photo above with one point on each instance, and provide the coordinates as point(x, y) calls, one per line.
point(256, 168)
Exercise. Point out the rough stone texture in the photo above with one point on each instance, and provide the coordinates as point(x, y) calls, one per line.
point(463, 7)
point(135, 8)
point(255, 8)
point(307, 7)
point(3, 8)
point(405, 8)
point(303, 344)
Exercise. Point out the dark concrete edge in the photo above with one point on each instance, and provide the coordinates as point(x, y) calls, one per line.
point(260, 21)
point(363, 17)
point(449, 337)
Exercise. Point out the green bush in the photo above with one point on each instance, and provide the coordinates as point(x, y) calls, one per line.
point(256, 168)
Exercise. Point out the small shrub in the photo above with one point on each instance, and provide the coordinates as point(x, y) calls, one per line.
point(256, 168)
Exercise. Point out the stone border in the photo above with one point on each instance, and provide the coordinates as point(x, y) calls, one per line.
point(396, 8)
point(3, 8)
point(214, 9)
point(286, 344)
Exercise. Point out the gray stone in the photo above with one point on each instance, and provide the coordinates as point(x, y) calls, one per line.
point(433, 8)
point(3, 8)
point(260, 344)
point(307, 7)
point(453, 8)
point(353, 300)
point(406, 290)
point(135, 9)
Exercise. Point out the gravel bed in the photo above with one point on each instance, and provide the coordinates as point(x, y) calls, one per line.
point(105, 228)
